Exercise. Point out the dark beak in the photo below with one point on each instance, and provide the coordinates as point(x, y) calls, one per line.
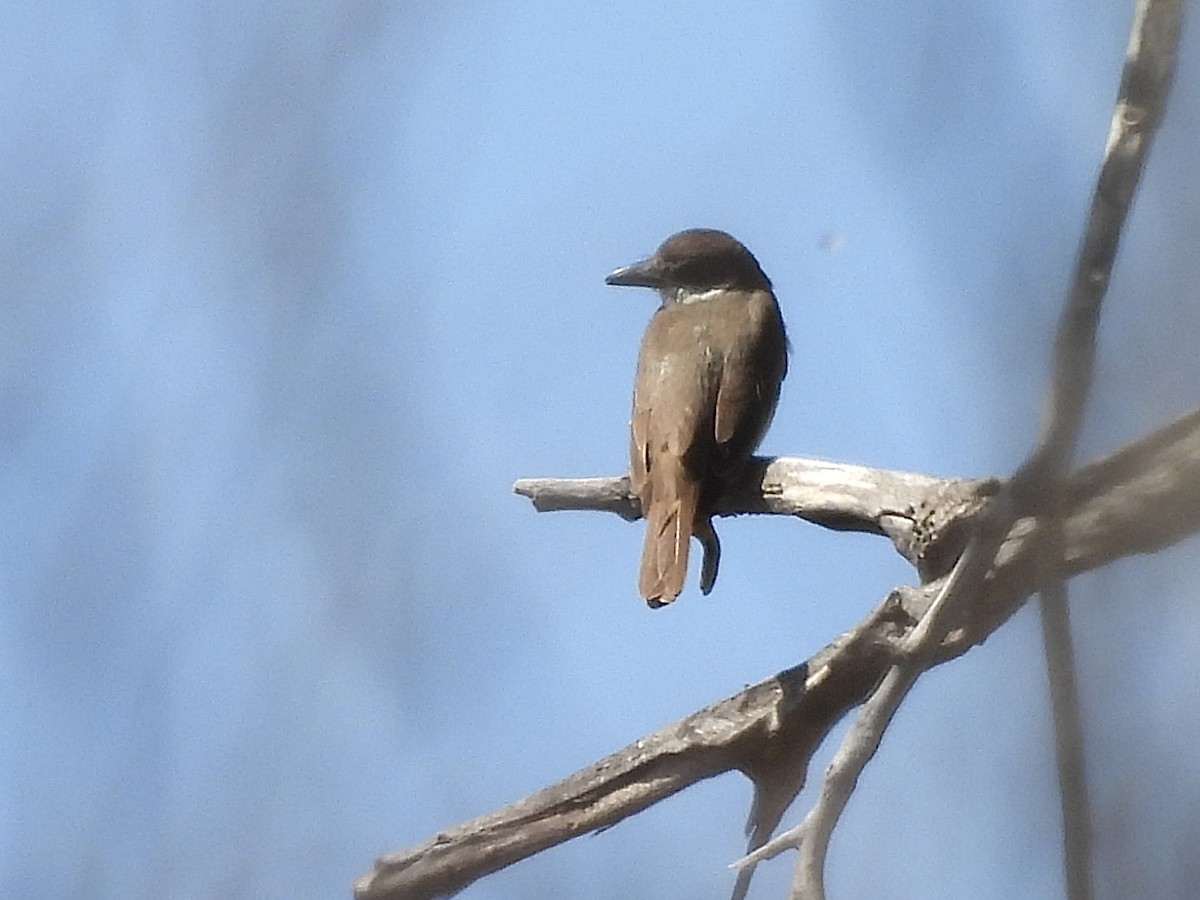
point(640, 274)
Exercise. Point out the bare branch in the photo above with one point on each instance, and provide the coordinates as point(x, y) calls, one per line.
point(770, 724)
point(1142, 498)
point(914, 511)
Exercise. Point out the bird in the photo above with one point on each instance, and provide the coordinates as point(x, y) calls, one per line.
point(709, 371)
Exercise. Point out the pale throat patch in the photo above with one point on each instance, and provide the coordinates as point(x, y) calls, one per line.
point(691, 295)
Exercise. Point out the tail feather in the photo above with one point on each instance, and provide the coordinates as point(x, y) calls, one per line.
point(669, 523)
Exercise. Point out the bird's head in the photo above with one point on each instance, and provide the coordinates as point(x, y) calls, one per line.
point(692, 263)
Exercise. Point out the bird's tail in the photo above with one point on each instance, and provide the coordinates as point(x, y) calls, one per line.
point(670, 522)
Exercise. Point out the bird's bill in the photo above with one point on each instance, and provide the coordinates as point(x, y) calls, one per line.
point(640, 274)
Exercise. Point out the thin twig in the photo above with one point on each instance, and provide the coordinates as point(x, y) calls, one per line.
point(1068, 738)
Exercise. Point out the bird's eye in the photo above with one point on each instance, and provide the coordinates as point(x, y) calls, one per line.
point(698, 271)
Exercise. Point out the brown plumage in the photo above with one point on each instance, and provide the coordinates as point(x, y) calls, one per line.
point(709, 371)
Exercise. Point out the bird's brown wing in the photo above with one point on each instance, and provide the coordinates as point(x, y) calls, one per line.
point(639, 457)
point(750, 380)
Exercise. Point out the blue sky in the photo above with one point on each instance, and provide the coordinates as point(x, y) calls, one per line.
point(296, 292)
